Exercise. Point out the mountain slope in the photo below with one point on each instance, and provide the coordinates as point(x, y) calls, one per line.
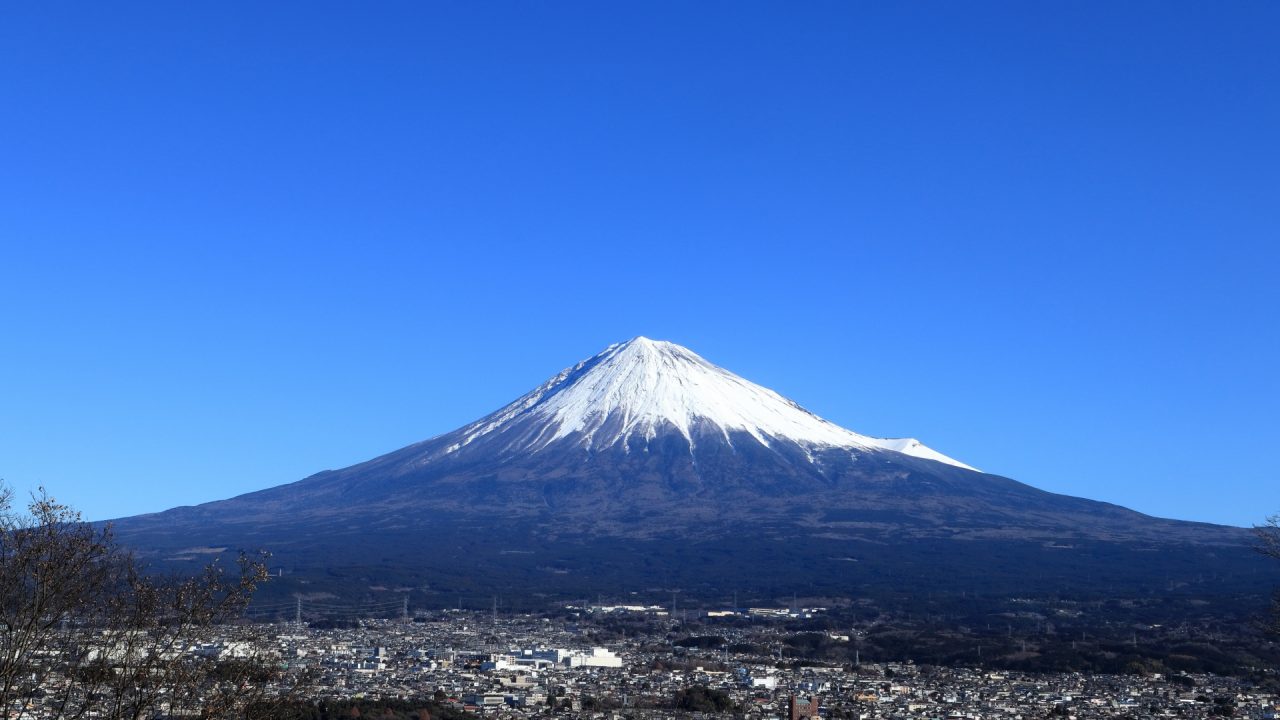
point(596, 475)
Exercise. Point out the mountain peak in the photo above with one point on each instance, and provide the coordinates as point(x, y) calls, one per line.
point(644, 388)
point(641, 345)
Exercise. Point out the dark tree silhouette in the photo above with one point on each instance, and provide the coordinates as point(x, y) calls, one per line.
point(85, 631)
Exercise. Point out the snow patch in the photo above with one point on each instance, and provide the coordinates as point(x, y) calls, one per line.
point(642, 385)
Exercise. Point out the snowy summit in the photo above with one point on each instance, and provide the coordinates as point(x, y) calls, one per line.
point(646, 387)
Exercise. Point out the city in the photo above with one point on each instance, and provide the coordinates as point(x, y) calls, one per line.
point(499, 666)
point(525, 667)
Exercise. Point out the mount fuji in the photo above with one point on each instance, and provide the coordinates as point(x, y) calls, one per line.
point(647, 467)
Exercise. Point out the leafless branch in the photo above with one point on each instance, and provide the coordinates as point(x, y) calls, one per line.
point(85, 630)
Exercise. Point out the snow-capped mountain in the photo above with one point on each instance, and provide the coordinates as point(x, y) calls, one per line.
point(642, 388)
point(645, 465)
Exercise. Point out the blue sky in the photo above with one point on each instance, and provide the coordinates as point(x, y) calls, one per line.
point(244, 242)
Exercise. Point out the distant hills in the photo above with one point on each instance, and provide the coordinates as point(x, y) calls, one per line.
point(646, 469)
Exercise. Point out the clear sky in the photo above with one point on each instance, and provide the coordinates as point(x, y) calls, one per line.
point(244, 242)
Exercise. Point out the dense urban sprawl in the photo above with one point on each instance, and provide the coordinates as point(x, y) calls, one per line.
point(526, 666)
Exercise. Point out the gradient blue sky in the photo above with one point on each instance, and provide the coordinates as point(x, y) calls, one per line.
point(244, 242)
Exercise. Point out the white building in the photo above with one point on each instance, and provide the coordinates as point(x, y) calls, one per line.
point(598, 657)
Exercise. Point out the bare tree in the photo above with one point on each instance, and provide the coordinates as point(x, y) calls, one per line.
point(1268, 535)
point(84, 630)
point(54, 571)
